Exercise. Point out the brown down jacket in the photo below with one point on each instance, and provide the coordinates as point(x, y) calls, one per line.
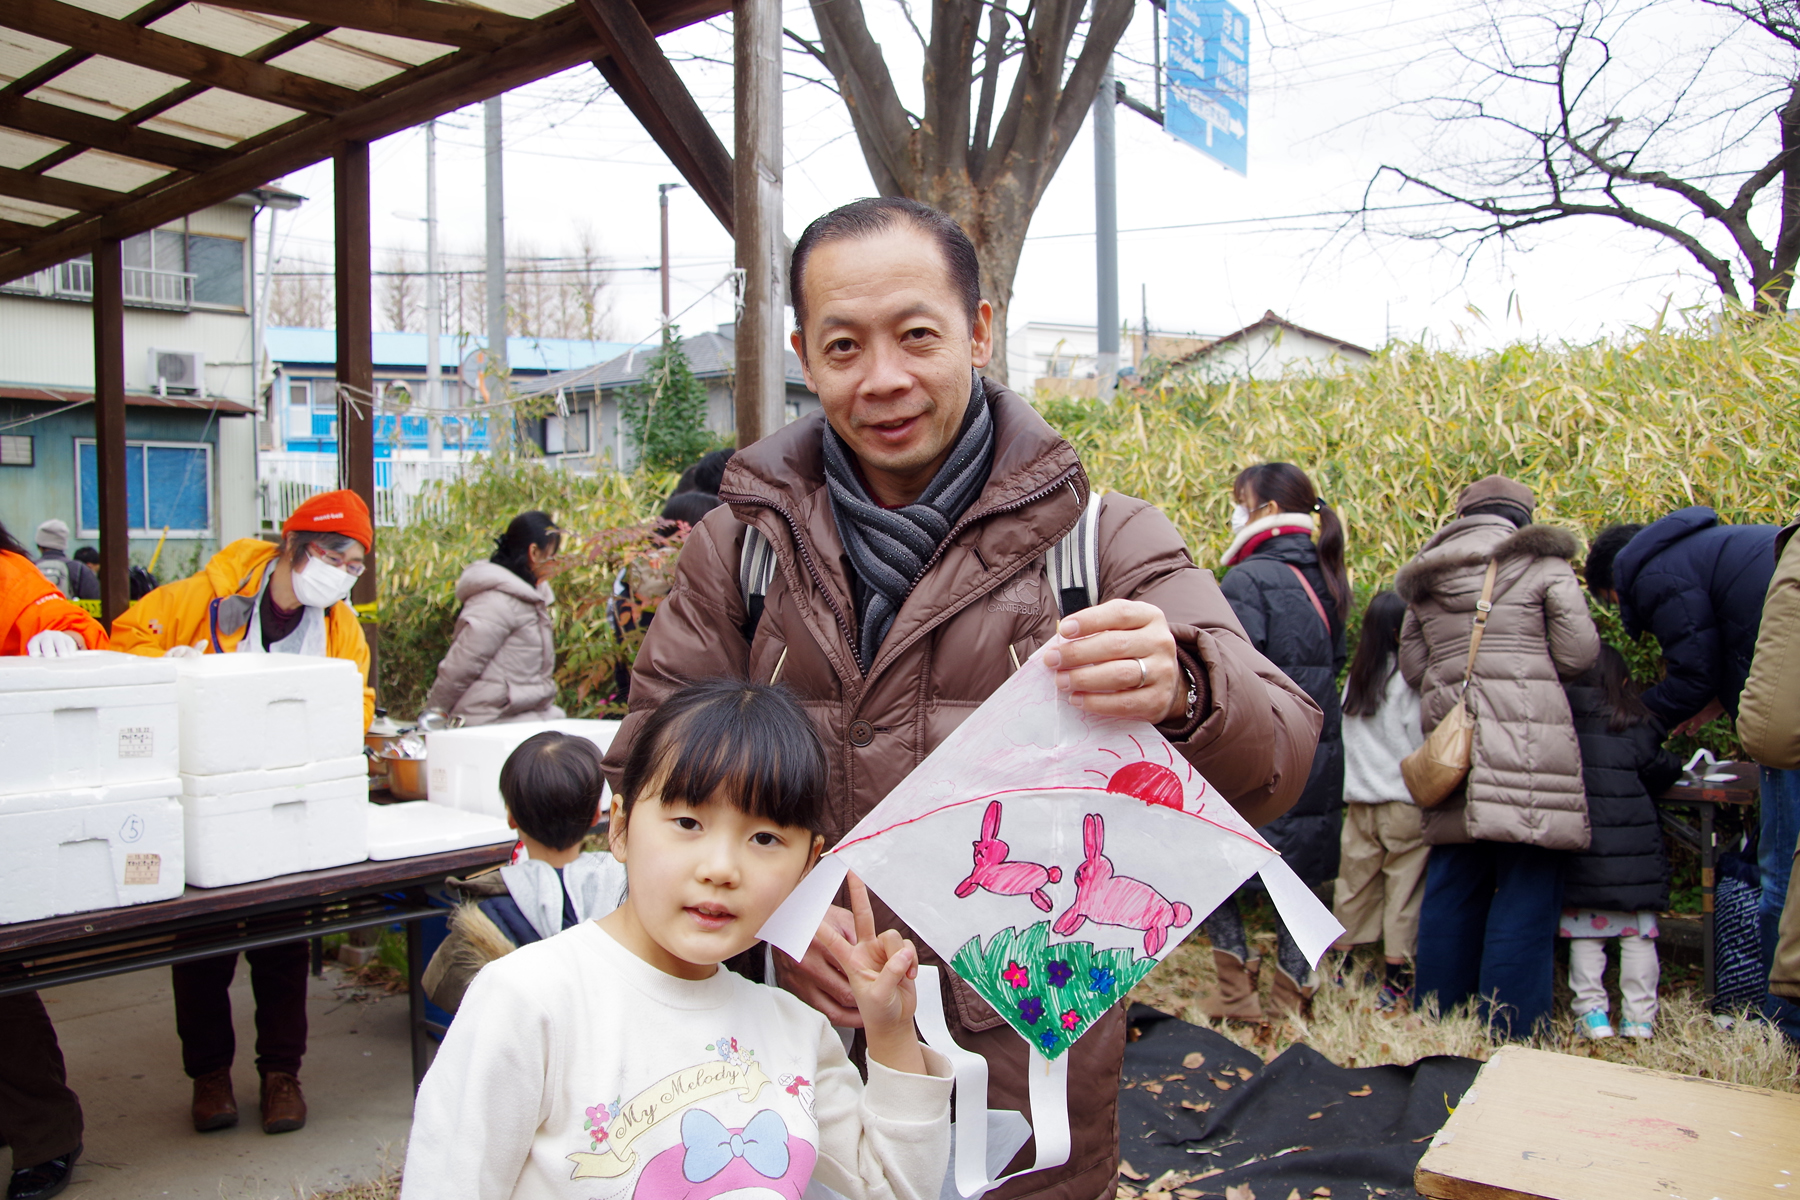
point(1525, 783)
point(982, 604)
point(1769, 707)
point(502, 660)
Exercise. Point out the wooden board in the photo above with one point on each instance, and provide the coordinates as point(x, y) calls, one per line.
point(1542, 1126)
point(1743, 788)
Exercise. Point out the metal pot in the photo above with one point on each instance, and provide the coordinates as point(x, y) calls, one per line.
point(382, 734)
point(405, 777)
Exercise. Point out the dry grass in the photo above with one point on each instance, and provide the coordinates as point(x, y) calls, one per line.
point(385, 1188)
point(1346, 1028)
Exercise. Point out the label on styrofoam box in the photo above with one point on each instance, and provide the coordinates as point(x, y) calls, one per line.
point(143, 870)
point(137, 741)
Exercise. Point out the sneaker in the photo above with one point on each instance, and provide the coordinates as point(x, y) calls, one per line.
point(1635, 1029)
point(1594, 1025)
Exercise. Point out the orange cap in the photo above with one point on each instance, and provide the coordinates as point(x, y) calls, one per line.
point(341, 511)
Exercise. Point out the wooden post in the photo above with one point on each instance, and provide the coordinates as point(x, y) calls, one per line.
point(356, 353)
point(760, 388)
point(109, 428)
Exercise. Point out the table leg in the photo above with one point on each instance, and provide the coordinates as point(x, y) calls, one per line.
point(318, 956)
point(415, 995)
point(1708, 860)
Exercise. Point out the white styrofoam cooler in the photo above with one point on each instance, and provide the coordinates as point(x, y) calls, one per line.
point(93, 719)
point(421, 827)
point(251, 712)
point(462, 766)
point(76, 850)
point(250, 825)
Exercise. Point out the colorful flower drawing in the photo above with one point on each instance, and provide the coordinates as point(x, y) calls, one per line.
point(1016, 975)
point(598, 1115)
point(1047, 1039)
point(1100, 979)
point(1058, 972)
point(1031, 1010)
point(1071, 1020)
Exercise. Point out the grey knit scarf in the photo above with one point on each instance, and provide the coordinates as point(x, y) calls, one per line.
point(889, 547)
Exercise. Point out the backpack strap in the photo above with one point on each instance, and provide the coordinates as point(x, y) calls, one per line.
point(756, 570)
point(1074, 562)
point(1313, 596)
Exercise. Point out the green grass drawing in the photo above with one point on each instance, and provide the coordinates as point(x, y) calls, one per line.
point(1050, 994)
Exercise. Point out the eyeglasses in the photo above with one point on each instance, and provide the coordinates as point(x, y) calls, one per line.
point(352, 569)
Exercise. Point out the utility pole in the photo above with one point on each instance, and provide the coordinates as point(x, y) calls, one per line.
point(759, 386)
point(662, 198)
point(1106, 238)
point(434, 320)
point(496, 253)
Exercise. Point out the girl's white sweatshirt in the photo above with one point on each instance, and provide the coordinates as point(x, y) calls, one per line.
point(577, 1071)
point(1374, 746)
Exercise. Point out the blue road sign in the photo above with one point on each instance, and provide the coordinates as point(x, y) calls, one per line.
point(1207, 102)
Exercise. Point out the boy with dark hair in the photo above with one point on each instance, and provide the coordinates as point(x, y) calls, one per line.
point(552, 786)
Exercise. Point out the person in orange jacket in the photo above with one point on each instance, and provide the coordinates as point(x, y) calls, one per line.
point(256, 597)
point(35, 618)
point(40, 1117)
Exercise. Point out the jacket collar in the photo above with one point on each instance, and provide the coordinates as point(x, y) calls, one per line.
point(1472, 541)
point(1261, 530)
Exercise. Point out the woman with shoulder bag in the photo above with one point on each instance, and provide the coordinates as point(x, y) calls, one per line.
point(1292, 596)
point(1488, 924)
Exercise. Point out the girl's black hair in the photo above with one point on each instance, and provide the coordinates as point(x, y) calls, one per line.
point(749, 742)
point(1290, 489)
point(9, 542)
point(1612, 676)
point(1376, 657)
point(551, 784)
point(688, 507)
point(513, 548)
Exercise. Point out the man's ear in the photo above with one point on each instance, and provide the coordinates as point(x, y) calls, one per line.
point(797, 340)
point(615, 829)
point(981, 337)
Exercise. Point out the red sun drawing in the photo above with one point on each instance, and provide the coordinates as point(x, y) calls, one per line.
point(1150, 782)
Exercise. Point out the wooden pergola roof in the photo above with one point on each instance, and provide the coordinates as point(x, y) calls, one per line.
point(117, 116)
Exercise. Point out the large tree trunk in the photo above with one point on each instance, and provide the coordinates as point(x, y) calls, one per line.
point(990, 183)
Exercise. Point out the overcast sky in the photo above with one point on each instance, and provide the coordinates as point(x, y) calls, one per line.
point(1337, 89)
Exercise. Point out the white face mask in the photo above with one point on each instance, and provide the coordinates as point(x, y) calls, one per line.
point(1240, 517)
point(322, 585)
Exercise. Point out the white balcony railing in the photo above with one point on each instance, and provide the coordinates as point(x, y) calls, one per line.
point(144, 287)
point(287, 478)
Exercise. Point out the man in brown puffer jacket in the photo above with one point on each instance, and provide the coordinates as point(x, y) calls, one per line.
point(910, 520)
point(1487, 924)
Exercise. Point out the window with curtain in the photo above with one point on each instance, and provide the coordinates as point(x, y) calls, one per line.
point(167, 484)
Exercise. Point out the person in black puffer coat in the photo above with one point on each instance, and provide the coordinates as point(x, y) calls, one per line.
point(1620, 882)
point(1292, 597)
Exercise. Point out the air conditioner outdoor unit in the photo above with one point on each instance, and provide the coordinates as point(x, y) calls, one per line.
point(182, 371)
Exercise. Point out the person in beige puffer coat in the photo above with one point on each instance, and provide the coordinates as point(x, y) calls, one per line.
point(1493, 885)
point(502, 661)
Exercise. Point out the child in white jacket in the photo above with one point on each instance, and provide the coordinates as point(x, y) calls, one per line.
point(619, 1059)
point(1381, 871)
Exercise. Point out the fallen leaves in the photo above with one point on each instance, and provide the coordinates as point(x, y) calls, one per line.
point(1197, 1105)
point(1173, 1078)
point(1245, 1073)
point(1224, 1085)
point(1364, 1090)
point(1314, 1116)
point(1194, 1061)
point(1155, 1089)
point(1240, 1193)
point(1130, 1172)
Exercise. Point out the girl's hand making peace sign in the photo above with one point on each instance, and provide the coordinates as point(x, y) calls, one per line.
point(880, 969)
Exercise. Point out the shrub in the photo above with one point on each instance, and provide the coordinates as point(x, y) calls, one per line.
point(666, 411)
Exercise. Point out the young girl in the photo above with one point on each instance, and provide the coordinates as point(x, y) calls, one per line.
point(617, 1059)
point(1381, 874)
point(1615, 888)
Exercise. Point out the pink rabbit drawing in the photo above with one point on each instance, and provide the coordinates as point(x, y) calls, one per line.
point(1001, 877)
point(1108, 899)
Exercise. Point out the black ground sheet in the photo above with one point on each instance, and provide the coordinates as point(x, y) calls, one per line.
point(1298, 1123)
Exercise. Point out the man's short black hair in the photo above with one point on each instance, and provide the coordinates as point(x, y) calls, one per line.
point(878, 214)
point(750, 743)
point(1598, 570)
point(551, 785)
point(88, 555)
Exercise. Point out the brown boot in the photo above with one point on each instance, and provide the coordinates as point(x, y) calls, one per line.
point(1236, 998)
point(1288, 996)
point(283, 1107)
point(214, 1105)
